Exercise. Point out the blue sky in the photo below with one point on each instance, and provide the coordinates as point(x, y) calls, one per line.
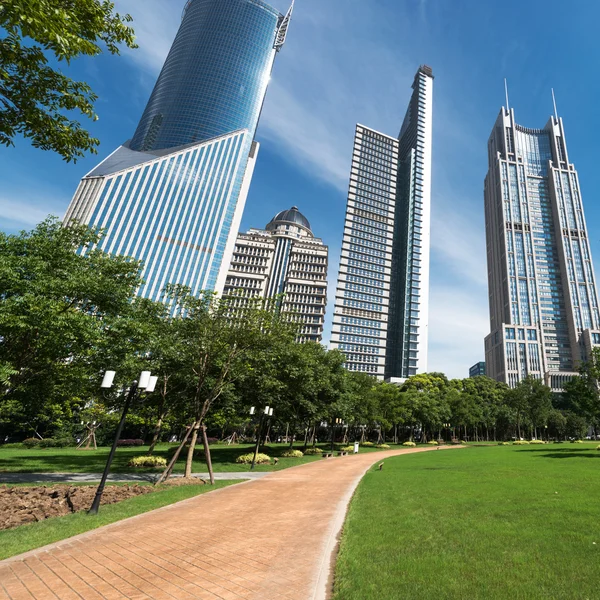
point(349, 61)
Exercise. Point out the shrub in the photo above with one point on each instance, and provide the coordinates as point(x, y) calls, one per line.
point(293, 454)
point(246, 459)
point(347, 448)
point(126, 443)
point(367, 444)
point(576, 441)
point(12, 445)
point(31, 442)
point(55, 443)
point(383, 446)
point(410, 444)
point(537, 442)
point(503, 443)
point(432, 443)
point(147, 461)
point(520, 443)
point(597, 447)
point(313, 451)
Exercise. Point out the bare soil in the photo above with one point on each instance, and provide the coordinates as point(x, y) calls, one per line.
point(20, 505)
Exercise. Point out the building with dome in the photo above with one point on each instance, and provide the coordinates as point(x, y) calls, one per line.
point(283, 259)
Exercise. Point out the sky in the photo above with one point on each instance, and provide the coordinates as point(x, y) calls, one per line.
point(353, 61)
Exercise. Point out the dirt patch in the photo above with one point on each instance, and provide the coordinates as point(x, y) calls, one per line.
point(20, 505)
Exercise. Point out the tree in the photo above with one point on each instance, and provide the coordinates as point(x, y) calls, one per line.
point(56, 309)
point(531, 400)
point(34, 95)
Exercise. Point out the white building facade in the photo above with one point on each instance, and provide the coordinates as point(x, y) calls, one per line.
point(381, 309)
point(283, 261)
point(544, 314)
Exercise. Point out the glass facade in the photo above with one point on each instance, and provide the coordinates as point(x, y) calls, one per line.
point(381, 310)
point(215, 77)
point(541, 274)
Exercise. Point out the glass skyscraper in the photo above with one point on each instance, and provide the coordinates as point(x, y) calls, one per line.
point(544, 315)
point(381, 309)
point(173, 196)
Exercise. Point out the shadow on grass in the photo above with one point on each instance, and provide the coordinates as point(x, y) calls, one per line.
point(569, 455)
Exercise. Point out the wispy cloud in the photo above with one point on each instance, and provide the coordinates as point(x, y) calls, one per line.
point(16, 213)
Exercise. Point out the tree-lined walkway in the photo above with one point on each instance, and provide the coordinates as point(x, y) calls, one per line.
point(271, 538)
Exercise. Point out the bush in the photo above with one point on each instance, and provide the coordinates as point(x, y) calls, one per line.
point(126, 443)
point(410, 444)
point(313, 451)
point(347, 448)
point(147, 461)
point(432, 443)
point(55, 443)
point(383, 446)
point(12, 445)
point(520, 443)
point(293, 454)
point(31, 442)
point(537, 442)
point(576, 441)
point(503, 443)
point(246, 459)
point(367, 444)
point(597, 447)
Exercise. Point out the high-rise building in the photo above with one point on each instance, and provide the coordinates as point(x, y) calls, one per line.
point(284, 261)
point(381, 310)
point(173, 196)
point(477, 369)
point(544, 317)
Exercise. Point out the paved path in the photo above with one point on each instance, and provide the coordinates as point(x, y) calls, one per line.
point(88, 477)
point(270, 539)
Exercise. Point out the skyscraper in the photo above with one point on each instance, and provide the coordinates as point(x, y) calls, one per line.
point(284, 258)
point(544, 315)
point(173, 196)
point(381, 309)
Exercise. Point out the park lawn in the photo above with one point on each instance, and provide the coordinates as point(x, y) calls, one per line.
point(484, 523)
point(71, 460)
point(34, 535)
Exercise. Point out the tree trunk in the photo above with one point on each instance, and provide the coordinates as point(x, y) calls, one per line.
point(207, 456)
point(190, 455)
point(157, 430)
point(169, 468)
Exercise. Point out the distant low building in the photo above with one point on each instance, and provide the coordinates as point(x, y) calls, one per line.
point(477, 369)
point(283, 259)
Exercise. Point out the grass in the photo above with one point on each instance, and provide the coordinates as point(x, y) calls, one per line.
point(34, 535)
point(484, 523)
point(71, 460)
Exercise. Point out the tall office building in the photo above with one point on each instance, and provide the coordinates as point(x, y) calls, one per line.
point(381, 309)
point(173, 196)
point(544, 315)
point(477, 370)
point(283, 259)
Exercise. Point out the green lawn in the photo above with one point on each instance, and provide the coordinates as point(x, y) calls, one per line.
point(483, 523)
point(34, 535)
point(71, 460)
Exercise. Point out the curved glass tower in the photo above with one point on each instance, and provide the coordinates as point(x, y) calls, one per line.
point(173, 197)
point(215, 77)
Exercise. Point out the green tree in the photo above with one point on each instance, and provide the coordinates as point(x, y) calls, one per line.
point(56, 308)
point(35, 95)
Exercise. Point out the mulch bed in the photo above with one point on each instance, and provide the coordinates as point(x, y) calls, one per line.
point(30, 504)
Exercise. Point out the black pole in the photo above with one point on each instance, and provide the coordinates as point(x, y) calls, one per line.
point(332, 433)
point(258, 436)
point(96, 503)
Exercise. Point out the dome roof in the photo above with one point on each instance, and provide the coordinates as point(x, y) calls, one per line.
point(292, 216)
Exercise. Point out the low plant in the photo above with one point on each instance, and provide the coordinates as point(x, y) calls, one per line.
point(31, 442)
point(409, 444)
point(313, 451)
point(367, 444)
point(147, 461)
point(576, 441)
point(12, 445)
point(597, 447)
point(293, 454)
point(246, 459)
point(537, 442)
point(503, 443)
point(520, 443)
point(130, 443)
point(347, 448)
point(55, 443)
point(383, 446)
point(432, 443)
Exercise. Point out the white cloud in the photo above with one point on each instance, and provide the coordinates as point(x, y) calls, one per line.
point(20, 213)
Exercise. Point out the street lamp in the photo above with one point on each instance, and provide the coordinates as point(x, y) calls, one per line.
point(146, 383)
point(268, 411)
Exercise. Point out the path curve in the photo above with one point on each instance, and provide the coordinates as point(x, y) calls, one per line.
point(273, 538)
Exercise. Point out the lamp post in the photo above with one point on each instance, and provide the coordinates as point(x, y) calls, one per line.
point(334, 422)
point(268, 411)
point(146, 383)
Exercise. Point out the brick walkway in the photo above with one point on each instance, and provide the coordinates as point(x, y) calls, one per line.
point(269, 539)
